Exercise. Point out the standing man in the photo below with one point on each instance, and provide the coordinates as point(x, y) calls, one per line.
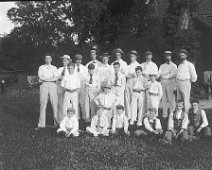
point(130, 75)
point(71, 84)
point(94, 60)
point(185, 75)
point(119, 82)
point(48, 76)
point(123, 65)
point(82, 73)
point(105, 71)
point(167, 73)
point(149, 66)
point(62, 72)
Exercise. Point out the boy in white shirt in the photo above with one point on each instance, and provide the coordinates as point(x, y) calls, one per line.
point(99, 123)
point(138, 97)
point(177, 125)
point(70, 124)
point(152, 125)
point(120, 123)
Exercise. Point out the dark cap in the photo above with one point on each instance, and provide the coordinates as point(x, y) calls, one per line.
point(134, 52)
point(138, 68)
point(148, 53)
point(183, 51)
point(118, 50)
point(195, 101)
point(91, 66)
point(120, 107)
point(94, 48)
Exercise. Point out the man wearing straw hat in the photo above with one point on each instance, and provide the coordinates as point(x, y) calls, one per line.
point(167, 73)
point(130, 76)
point(118, 53)
point(62, 72)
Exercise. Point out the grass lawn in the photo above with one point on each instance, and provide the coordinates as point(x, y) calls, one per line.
point(23, 148)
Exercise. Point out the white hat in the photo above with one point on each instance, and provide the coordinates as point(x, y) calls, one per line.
point(66, 57)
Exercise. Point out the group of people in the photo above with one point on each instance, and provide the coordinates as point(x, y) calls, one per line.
point(113, 97)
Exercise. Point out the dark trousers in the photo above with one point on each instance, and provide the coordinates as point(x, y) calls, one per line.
point(205, 132)
point(120, 132)
point(169, 136)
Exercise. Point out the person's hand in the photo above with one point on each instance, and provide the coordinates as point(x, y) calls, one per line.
point(122, 71)
point(68, 134)
point(199, 130)
point(160, 131)
point(155, 132)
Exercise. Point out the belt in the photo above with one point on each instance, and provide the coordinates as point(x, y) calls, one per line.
point(48, 81)
point(169, 78)
point(71, 91)
point(106, 108)
point(153, 94)
point(138, 91)
point(183, 80)
point(116, 85)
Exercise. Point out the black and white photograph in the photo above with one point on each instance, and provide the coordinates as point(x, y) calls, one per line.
point(106, 85)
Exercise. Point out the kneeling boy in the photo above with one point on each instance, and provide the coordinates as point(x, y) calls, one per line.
point(99, 123)
point(120, 122)
point(177, 125)
point(70, 124)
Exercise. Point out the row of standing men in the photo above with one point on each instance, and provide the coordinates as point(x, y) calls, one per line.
point(133, 86)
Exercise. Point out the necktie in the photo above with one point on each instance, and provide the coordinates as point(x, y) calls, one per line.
point(116, 79)
point(98, 123)
point(78, 69)
point(91, 79)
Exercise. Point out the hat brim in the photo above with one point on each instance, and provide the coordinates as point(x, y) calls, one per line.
point(118, 51)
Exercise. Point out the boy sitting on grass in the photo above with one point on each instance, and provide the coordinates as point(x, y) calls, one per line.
point(99, 123)
point(177, 125)
point(70, 124)
point(152, 125)
point(120, 123)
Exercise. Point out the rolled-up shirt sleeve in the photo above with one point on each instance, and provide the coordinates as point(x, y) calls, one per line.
point(147, 125)
point(170, 122)
point(193, 72)
point(204, 120)
point(185, 122)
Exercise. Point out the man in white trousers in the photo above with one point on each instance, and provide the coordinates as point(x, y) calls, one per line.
point(167, 73)
point(48, 76)
point(71, 84)
point(62, 72)
point(185, 75)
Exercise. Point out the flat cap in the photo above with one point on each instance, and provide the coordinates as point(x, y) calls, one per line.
point(148, 53)
point(70, 109)
point(183, 51)
point(134, 52)
point(66, 57)
point(78, 57)
point(118, 50)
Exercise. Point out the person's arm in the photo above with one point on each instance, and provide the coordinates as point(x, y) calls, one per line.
point(75, 126)
point(123, 83)
point(114, 124)
point(173, 72)
point(94, 122)
point(204, 121)
point(184, 125)
point(193, 72)
point(170, 122)
point(147, 125)
point(126, 124)
point(160, 91)
point(62, 125)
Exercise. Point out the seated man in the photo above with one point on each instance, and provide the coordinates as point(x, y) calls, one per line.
point(120, 122)
point(198, 123)
point(99, 123)
point(70, 124)
point(152, 125)
point(177, 125)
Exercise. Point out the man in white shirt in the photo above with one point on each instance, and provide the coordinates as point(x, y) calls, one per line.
point(119, 82)
point(118, 55)
point(62, 72)
point(130, 75)
point(186, 74)
point(48, 76)
point(82, 73)
point(71, 84)
point(167, 73)
point(177, 125)
point(105, 71)
point(198, 122)
point(94, 60)
point(149, 66)
point(70, 124)
point(92, 87)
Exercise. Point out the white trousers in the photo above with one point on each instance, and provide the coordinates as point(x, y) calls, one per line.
point(96, 133)
point(61, 93)
point(153, 102)
point(168, 98)
point(128, 97)
point(48, 89)
point(137, 107)
point(119, 92)
point(183, 93)
point(71, 100)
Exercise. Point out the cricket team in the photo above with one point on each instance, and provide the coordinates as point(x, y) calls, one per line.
point(122, 100)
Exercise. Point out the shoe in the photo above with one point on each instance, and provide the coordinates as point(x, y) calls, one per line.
point(164, 142)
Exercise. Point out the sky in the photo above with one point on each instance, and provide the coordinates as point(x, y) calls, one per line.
point(5, 24)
